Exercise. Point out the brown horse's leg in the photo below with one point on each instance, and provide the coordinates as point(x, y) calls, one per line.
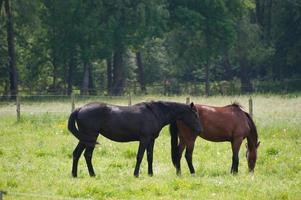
point(150, 150)
point(188, 155)
point(88, 156)
point(235, 150)
point(181, 148)
point(142, 146)
point(76, 155)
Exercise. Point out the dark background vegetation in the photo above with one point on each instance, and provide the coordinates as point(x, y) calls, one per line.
point(113, 47)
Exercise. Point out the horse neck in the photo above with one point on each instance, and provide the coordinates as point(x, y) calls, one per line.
point(170, 111)
point(252, 137)
point(252, 141)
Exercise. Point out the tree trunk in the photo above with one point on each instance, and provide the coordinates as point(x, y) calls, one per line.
point(207, 86)
point(91, 83)
point(208, 55)
point(54, 72)
point(269, 20)
point(118, 73)
point(109, 76)
point(85, 84)
point(260, 12)
point(141, 79)
point(227, 66)
point(71, 66)
point(246, 86)
point(11, 51)
point(6, 87)
point(65, 68)
point(54, 56)
point(245, 80)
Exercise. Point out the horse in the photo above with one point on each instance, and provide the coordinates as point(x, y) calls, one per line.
point(229, 123)
point(141, 122)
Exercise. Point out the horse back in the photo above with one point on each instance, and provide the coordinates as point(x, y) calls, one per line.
point(222, 123)
point(118, 123)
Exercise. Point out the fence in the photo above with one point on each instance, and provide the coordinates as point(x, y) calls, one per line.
point(174, 87)
point(59, 103)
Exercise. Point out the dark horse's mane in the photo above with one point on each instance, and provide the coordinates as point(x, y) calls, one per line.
point(154, 105)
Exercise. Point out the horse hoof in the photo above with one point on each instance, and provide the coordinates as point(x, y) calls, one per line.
point(193, 174)
point(136, 175)
point(150, 175)
point(74, 175)
point(92, 175)
point(234, 172)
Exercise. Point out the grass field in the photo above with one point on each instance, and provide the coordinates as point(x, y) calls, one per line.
point(36, 156)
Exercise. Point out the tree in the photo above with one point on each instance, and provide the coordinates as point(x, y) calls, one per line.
point(109, 75)
point(11, 50)
point(209, 25)
point(286, 31)
point(62, 45)
point(141, 76)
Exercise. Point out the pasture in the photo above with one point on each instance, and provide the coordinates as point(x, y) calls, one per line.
point(36, 156)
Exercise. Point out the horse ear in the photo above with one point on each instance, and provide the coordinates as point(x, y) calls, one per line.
point(191, 105)
point(257, 145)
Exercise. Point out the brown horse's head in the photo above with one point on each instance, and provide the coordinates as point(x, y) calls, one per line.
point(251, 155)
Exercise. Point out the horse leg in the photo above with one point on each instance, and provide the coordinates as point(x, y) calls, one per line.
point(88, 156)
point(188, 156)
point(150, 150)
point(181, 148)
point(235, 150)
point(76, 155)
point(140, 153)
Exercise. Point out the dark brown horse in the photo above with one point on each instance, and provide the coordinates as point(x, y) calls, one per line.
point(141, 122)
point(229, 123)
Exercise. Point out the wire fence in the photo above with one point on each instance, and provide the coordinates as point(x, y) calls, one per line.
point(261, 108)
point(170, 87)
point(33, 104)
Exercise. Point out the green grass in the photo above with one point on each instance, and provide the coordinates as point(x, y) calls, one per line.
point(36, 153)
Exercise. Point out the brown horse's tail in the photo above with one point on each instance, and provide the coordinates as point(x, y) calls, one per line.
point(72, 128)
point(253, 128)
point(173, 130)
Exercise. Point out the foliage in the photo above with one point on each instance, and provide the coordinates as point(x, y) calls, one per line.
point(56, 40)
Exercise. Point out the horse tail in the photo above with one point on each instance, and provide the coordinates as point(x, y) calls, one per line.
point(252, 126)
point(71, 124)
point(72, 128)
point(173, 130)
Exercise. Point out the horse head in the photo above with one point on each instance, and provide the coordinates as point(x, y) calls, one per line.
point(251, 155)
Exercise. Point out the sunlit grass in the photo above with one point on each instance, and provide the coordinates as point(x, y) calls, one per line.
point(36, 153)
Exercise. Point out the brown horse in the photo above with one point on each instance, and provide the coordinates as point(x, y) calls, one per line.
point(229, 123)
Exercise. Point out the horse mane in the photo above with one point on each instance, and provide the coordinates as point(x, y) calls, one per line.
point(164, 106)
point(253, 137)
point(153, 107)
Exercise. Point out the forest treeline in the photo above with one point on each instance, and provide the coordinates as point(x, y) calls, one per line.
point(104, 46)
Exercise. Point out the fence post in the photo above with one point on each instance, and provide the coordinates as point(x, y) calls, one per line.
point(251, 107)
point(18, 107)
point(130, 99)
point(72, 102)
point(187, 100)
